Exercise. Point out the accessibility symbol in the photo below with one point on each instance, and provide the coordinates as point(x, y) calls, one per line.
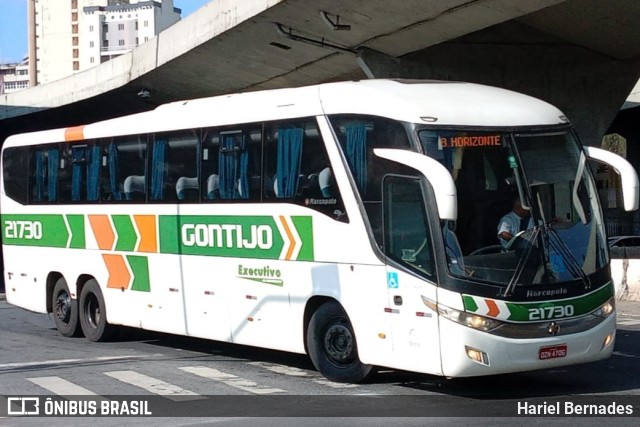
point(392, 280)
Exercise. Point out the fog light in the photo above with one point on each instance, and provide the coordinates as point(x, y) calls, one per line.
point(607, 341)
point(477, 356)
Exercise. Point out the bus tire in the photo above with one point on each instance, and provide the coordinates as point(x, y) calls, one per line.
point(65, 310)
point(93, 313)
point(332, 345)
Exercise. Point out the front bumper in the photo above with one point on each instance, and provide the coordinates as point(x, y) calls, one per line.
point(507, 355)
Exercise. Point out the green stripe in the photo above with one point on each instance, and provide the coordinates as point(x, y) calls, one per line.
point(581, 305)
point(238, 238)
point(543, 310)
point(127, 237)
point(220, 236)
point(469, 303)
point(140, 269)
point(34, 230)
point(265, 280)
point(76, 224)
point(304, 226)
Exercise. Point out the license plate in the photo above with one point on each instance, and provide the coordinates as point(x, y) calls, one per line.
point(552, 352)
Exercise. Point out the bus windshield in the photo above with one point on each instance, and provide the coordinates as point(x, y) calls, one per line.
point(528, 212)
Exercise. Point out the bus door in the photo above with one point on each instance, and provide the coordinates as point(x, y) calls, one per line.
point(410, 275)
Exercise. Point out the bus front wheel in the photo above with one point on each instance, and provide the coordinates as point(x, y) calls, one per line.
point(65, 310)
point(93, 314)
point(332, 346)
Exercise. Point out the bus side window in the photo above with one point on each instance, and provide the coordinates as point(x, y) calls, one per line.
point(406, 233)
point(15, 161)
point(358, 136)
point(44, 170)
point(231, 163)
point(297, 168)
point(175, 167)
point(80, 172)
point(126, 169)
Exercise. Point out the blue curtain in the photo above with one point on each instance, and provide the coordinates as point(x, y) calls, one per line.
point(40, 176)
point(244, 173)
point(93, 173)
point(356, 151)
point(158, 169)
point(233, 168)
point(199, 162)
point(113, 171)
point(54, 163)
point(77, 155)
point(227, 168)
point(288, 161)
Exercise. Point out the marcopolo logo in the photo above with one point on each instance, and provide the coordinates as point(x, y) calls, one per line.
point(265, 274)
point(264, 237)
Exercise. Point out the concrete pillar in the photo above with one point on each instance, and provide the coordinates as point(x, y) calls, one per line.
point(588, 87)
point(31, 30)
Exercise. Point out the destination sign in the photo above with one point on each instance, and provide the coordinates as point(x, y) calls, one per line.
point(470, 141)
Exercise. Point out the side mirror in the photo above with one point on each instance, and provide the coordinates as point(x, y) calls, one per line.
point(438, 176)
point(628, 174)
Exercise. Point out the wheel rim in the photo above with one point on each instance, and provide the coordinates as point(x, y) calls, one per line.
point(93, 313)
point(63, 307)
point(339, 343)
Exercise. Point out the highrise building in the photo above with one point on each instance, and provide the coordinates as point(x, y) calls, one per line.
point(14, 77)
point(68, 36)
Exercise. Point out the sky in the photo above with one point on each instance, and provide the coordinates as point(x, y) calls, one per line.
point(13, 26)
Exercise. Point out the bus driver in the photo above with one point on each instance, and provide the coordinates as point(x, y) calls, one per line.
point(519, 219)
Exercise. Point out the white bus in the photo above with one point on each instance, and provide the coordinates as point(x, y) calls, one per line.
point(356, 222)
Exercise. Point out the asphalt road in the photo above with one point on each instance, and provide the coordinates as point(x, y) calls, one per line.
point(36, 360)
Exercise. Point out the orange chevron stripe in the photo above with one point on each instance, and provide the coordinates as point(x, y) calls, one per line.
point(147, 228)
point(119, 276)
point(102, 230)
point(291, 238)
point(493, 308)
point(75, 133)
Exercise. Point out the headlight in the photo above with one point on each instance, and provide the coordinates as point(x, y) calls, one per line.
point(606, 309)
point(474, 321)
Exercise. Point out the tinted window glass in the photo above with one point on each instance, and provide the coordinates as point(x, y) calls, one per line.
point(297, 168)
point(407, 239)
point(175, 167)
point(126, 169)
point(231, 159)
point(44, 173)
point(80, 173)
point(15, 162)
point(358, 137)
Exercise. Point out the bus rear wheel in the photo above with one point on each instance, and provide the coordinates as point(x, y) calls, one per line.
point(65, 310)
point(93, 313)
point(332, 345)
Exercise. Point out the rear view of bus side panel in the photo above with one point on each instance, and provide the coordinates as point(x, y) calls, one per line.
point(20, 276)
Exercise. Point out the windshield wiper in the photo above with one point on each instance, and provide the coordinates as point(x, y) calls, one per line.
point(561, 247)
point(522, 262)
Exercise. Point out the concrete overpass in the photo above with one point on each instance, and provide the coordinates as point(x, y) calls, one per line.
point(582, 55)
